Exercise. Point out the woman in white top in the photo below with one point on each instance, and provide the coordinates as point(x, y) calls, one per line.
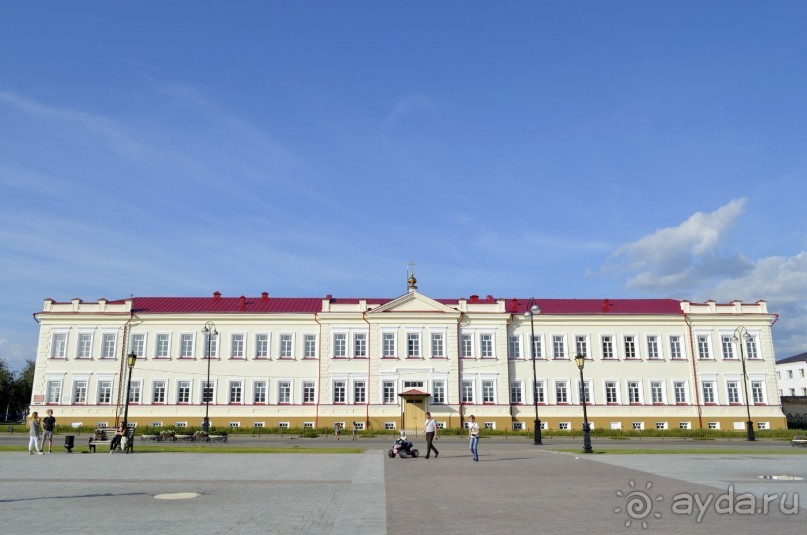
point(473, 434)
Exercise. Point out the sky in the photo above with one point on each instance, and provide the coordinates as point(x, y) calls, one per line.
point(517, 149)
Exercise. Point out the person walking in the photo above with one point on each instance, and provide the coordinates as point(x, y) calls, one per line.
point(33, 435)
point(355, 430)
point(431, 434)
point(337, 430)
point(473, 434)
point(48, 426)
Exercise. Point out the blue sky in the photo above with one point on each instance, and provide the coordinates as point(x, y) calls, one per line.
point(586, 149)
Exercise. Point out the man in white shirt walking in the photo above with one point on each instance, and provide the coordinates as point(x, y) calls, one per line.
point(431, 434)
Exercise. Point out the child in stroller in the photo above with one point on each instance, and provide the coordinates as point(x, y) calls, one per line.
point(402, 448)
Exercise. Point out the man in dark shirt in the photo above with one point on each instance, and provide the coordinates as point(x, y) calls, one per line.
point(48, 425)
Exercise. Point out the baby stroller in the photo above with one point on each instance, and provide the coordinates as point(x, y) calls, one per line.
point(402, 448)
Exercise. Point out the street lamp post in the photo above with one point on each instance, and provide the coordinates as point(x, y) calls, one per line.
point(533, 309)
point(131, 359)
point(580, 360)
point(740, 336)
point(210, 331)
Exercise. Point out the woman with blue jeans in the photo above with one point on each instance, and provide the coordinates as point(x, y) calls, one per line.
point(473, 434)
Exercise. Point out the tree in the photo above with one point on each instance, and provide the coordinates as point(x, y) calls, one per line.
point(7, 387)
point(15, 390)
point(24, 386)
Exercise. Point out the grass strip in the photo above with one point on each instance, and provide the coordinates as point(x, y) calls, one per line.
point(202, 448)
point(640, 451)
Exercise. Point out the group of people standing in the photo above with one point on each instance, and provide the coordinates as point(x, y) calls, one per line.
point(433, 433)
point(44, 427)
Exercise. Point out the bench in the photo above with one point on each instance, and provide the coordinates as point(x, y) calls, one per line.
point(103, 437)
point(799, 440)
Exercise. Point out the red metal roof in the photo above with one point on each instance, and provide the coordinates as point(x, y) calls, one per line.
point(247, 305)
point(598, 306)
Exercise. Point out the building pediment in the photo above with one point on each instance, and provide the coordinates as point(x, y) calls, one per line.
point(413, 302)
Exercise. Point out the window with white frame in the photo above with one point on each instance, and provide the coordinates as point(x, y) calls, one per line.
point(413, 384)
point(438, 392)
point(611, 392)
point(467, 391)
point(80, 392)
point(488, 391)
point(186, 345)
point(58, 349)
point(558, 346)
point(134, 392)
point(581, 345)
point(359, 345)
point(138, 345)
point(104, 392)
point(608, 347)
point(233, 425)
point(286, 348)
point(389, 426)
point(158, 392)
point(661, 426)
point(763, 425)
point(516, 393)
point(751, 349)
point(537, 346)
point(728, 346)
point(339, 388)
point(634, 393)
point(207, 391)
point(733, 392)
point(84, 348)
point(284, 392)
point(238, 346)
point(162, 346)
point(309, 392)
point(675, 347)
point(360, 392)
point(757, 392)
point(438, 345)
point(704, 352)
point(486, 346)
point(708, 388)
point(413, 345)
point(584, 390)
point(339, 345)
point(388, 344)
point(519, 426)
point(183, 392)
point(561, 392)
point(466, 346)
point(564, 426)
point(652, 347)
point(638, 426)
point(211, 345)
point(262, 346)
point(539, 391)
point(713, 425)
point(680, 389)
point(388, 392)
point(657, 392)
point(630, 347)
point(684, 425)
point(309, 346)
point(260, 392)
point(109, 342)
point(514, 347)
point(236, 392)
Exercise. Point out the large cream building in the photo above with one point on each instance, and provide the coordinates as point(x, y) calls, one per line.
point(314, 362)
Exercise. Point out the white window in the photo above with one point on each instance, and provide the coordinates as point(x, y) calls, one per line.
point(608, 347)
point(104, 392)
point(339, 345)
point(138, 345)
point(438, 345)
point(58, 348)
point(158, 394)
point(763, 425)
point(283, 425)
point(467, 391)
point(630, 347)
point(675, 347)
point(652, 347)
point(713, 425)
point(519, 426)
point(638, 426)
point(684, 425)
point(207, 392)
point(286, 350)
point(389, 426)
point(186, 346)
point(84, 349)
point(488, 391)
point(708, 392)
point(751, 349)
point(134, 392)
point(703, 347)
point(537, 347)
point(561, 392)
point(680, 388)
point(558, 346)
point(564, 426)
point(162, 346)
point(262, 346)
point(388, 389)
point(516, 394)
point(486, 346)
point(634, 393)
point(661, 426)
point(581, 345)
point(309, 392)
point(259, 392)
point(80, 392)
point(183, 392)
point(438, 392)
point(733, 392)
point(339, 391)
point(584, 391)
point(360, 345)
point(539, 392)
point(611, 392)
point(284, 392)
point(757, 392)
point(236, 392)
point(360, 392)
point(233, 425)
point(388, 345)
point(238, 346)
point(108, 345)
point(466, 346)
point(727, 344)
point(211, 345)
point(413, 345)
point(657, 392)
point(514, 347)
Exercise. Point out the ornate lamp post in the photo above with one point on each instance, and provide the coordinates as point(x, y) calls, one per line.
point(741, 336)
point(210, 331)
point(130, 360)
point(533, 309)
point(580, 360)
